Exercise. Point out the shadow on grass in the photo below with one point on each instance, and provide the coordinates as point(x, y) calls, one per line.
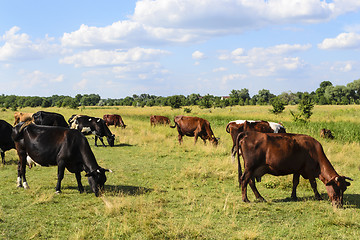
point(117, 145)
point(112, 190)
point(350, 200)
point(126, 190)
point(11, 162)
point(324, 196)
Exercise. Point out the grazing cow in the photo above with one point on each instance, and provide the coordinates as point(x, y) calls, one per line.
point(49, 119)
point(72, 119)
point(22, 117)
point(194, 127)
point(6, 142)
point(51, 146)
point(91, 125)
point(326, 133)
point(281, 154)
point(114, 119)
point(155, 120)
point(238, 126)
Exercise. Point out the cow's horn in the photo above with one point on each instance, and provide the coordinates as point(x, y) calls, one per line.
point(348, 178)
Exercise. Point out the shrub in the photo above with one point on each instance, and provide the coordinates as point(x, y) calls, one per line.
point(278, 105)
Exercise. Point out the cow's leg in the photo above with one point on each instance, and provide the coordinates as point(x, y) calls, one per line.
point(195, 137)
point(78, 179)
point(96, 138)
point(21, 179)
point(314, 187)
point(255, 191)
point(180, 138)
point(204, 139)
point(61, 170)
point(2, 156)
point(245, 178)
point(101, 140)
point(296, 178)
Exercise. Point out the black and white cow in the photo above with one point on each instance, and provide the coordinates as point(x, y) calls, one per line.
point(91, 125)
point(64, 147)
point(49, 119)
point(6, 142)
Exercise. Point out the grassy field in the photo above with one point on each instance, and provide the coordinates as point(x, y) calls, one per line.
point(161, 190)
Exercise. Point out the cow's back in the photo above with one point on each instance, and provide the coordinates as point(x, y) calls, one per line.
point(281, 153)
point(187, 125)
point(6, 142)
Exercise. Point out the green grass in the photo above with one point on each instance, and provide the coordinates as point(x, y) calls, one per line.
point(160, 190)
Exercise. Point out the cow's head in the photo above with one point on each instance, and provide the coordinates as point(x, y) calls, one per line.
point(97, 180)
point(111, 140)
point(336, 188)
point(214, 140)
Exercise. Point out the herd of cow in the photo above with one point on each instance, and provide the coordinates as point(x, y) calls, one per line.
point(48, 140)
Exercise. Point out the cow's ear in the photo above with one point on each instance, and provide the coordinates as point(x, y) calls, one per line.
point(106, 170)
point(89, 174)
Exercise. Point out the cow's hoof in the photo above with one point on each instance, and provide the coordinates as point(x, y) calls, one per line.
point(19, 186)
point(58, 192)
point(25, 185)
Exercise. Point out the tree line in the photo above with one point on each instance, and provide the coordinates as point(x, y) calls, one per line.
point(325, 94)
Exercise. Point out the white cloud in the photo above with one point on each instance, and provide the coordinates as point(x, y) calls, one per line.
point(198, 55)
point(97, 57)
point(20, 47)
point(268, 61)
point(171, 21)
point(343, 40)
point(231, 77)
point(81, 85)
point(39, 78)
point(58, 79)
point(212, 14)
point(219, 69)
point(342, 67)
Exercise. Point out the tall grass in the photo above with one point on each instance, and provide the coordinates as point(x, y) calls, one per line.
point(162, 190)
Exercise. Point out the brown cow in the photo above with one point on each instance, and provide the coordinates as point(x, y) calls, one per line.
point(22, 117)
point(238, 126)
point(326, 133)
point(281, 154)
point(114, 119)
point(194, 127)
point(155, 120)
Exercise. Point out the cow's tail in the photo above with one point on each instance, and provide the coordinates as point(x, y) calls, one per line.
point(239, 137)
point(227, 128)
point(175, 124)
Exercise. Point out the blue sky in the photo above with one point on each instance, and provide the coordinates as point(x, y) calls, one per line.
point(167, 47)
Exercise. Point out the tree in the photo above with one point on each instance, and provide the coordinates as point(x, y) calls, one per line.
point(193, 99)
point(263, 97)
point(305, 107)
point(238, 97)
point(206, 101)
point(278, 105)
point(176, 101)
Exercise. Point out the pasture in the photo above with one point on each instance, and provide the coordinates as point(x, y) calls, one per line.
point(161, 190)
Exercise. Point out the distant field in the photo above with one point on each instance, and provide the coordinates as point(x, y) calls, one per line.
point(161, 190)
